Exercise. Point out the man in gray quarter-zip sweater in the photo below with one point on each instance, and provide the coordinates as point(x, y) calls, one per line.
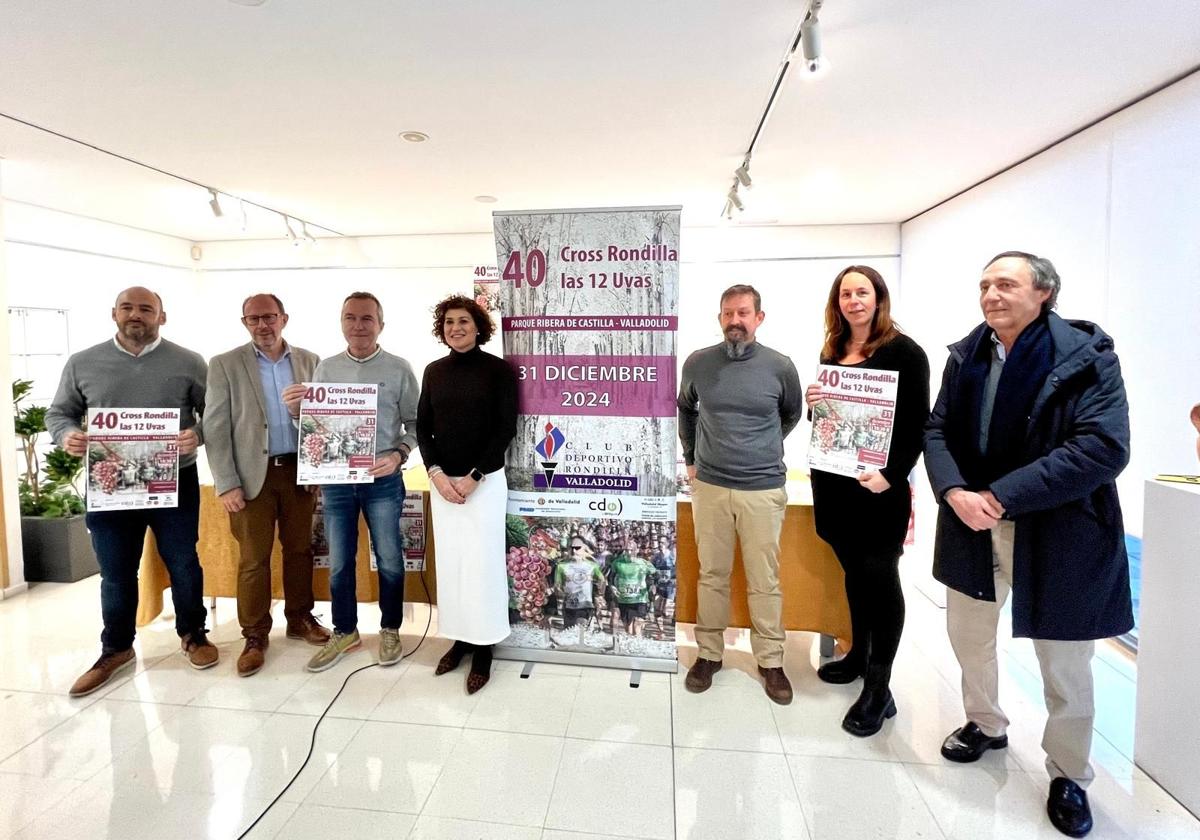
point(738, 400)
point(139, 369)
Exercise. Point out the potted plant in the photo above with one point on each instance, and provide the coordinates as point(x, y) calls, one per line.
point(55, 538)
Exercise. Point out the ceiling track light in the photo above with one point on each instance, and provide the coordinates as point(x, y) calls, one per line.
point(214, 203)
point(742, 173)
point(734, 200)
point(815, 63)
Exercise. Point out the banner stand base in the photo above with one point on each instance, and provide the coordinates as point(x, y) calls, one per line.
point(566, 657)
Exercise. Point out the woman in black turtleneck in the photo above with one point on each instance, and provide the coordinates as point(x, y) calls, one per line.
point(865, 519)
point(466, 417)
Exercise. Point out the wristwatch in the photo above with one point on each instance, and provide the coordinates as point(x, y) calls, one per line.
point(476, 474)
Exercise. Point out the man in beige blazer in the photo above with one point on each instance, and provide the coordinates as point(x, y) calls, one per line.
point(252, 454)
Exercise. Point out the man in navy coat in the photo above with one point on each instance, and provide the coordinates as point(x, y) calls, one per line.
point(1025, 442)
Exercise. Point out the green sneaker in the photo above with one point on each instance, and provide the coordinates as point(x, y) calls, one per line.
point(339, 645)
point(390, 650)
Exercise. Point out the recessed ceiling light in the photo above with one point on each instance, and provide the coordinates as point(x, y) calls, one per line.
point(486, 199)
point(414, 136)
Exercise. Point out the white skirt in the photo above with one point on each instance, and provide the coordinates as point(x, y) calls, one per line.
point(472, 578)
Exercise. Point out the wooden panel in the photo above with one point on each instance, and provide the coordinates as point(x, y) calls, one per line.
point(814, 590)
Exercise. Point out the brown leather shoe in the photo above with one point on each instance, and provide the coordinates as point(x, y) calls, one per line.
point(106, 667)
point(699, 676)
point(200, 652)
point(254, 656)
point(776, 684)
point(308, 629)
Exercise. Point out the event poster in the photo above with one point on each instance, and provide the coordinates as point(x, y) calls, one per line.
point(412, 527)
point(852, 422)
point(590, 313)
point(132, 458)
point(337, 433)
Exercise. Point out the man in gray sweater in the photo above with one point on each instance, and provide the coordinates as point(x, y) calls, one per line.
point(738, 400)
point(139, 369)
point(381, 501)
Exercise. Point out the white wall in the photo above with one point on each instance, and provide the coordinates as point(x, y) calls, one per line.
point(1117, 209)
point(8, 446)
point(792, 268)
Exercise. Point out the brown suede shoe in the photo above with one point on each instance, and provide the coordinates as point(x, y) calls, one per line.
point(106, 667)
point(308, 629)
point(699, 676)
point(254, 656)
point(200, 652)
point(776, 684)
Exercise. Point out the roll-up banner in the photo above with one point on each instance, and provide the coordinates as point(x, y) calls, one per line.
point(590, 303)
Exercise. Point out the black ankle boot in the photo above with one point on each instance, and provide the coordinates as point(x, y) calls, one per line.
point(844, 670)
point(872, 707)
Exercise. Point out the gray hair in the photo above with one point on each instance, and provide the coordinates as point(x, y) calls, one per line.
point(1045, 275)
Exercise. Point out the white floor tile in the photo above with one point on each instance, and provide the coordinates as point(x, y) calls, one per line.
point(723, 795)
point(311, 821)
point(539, 705)
point(604, 711)
point(737, 717)
point(970, 802)
point(845, 797)
point(441, 828)
point(386, 767)
point(25, 798)
point(360, 696)
point(637, 795)
point(405, 754)
point(88, 742)
point(28, 716)
point(184, 753)
point(497, 777)
point(420, 697)
point(263, 764)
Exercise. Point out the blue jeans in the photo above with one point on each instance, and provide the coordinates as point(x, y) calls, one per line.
point(118, 537)
point(381, 504)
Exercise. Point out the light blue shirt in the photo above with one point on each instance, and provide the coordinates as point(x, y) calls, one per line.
point(281, 434)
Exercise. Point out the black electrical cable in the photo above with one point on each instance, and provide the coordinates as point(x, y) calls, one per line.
point(312, 744)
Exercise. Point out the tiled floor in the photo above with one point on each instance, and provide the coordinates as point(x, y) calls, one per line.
point(568, 754)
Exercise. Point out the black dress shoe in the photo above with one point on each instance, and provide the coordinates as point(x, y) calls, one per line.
point(968, 743)
point(842, 671)
point(866, 716)
point(1068, 808)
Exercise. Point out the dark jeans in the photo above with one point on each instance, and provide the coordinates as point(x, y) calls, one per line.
point(381, 503)
point(118, 537)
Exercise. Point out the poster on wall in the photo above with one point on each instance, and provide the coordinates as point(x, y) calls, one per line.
point(337, 433)
point(132, 458)
point(852, 421)
point(486, 287)
point(589, 302)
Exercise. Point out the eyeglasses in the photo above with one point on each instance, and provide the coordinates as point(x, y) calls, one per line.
point(577, 548)
point(254, 320)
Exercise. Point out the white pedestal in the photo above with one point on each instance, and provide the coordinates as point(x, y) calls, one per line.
point(1167, 741)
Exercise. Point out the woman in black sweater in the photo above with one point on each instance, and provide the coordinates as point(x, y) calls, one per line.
point(865, 519)
point(466, 416)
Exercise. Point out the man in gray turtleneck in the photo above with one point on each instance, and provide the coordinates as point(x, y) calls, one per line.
point(738, 400)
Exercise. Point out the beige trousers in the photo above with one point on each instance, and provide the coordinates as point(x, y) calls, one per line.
point(1066, 672)
point(754, 518)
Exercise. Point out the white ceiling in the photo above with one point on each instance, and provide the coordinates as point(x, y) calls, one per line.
point(297, 104)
